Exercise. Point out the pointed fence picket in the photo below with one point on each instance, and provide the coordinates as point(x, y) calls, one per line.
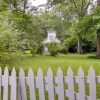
point(92, 84)
point(13, 85)
point(41, 85)
point(70, 84)
point(5, 84)
point(31, 84)
point(22, 84)
point(60, 84)
point(81, 84)
point(18, 89)
point(50, 84)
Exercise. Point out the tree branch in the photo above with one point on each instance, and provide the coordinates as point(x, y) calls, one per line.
point(82, 5)
point(74, 3)
point(89, 2)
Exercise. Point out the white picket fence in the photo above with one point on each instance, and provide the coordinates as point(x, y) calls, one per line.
point(18, 85)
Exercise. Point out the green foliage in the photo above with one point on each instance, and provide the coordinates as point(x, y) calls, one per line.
point(22, 20)
point(72, 43)
point(3, 7)
point(16, 4)
point(89, 46)
point(40, 48)
point(7, 58)
point(33, 49)
point(84, 27)
point(36, 48)
point(96, 19)
point(90, 24)
point(53, 48)
point(9, 40)
point(63, 48)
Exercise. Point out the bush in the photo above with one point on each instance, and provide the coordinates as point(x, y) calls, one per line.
point(7, 58)
point(40, 48)
point(33, 49)
point(64, 48)
point(72, 44)
point(88, 46)
point(36, 48)
point(53, 48)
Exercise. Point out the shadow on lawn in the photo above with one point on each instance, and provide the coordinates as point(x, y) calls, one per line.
point(93, 57)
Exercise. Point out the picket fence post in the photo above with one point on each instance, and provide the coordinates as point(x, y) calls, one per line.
point(60, 84)
point(31, 84)
point(70, 84)
point(81, 84)
point(5, 84)
point(13, 85)
point(41, 85)
point(22, 84)
point(50, 84)
point(92, 84)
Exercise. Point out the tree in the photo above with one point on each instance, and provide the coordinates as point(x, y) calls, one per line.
point(78, 9)
point(9, 40)
point(87, 29)
point(81, 10)
point(98, 34)
point(90, 27)
point(16, 4)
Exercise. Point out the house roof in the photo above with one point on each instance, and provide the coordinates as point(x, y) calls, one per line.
point(51, 30)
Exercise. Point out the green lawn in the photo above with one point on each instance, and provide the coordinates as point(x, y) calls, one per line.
point(63, 61)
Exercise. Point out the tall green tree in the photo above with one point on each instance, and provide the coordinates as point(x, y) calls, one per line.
point(78, 9)
point(90, 27)
point(9, 40)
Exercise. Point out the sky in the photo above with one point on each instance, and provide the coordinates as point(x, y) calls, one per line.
point(37, 2)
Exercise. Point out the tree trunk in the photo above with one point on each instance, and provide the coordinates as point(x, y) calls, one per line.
point(98, 46)
point(79, 51)
point(98, 2)
point(98, 38)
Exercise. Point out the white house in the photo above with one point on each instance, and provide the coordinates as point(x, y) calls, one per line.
point(51, 37)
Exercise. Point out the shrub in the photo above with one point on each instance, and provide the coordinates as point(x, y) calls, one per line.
point(88, 46)
point(7, 58)
point(53, 48)
point(64, 48)
point(36, 48)
point(33, 48)
point(72, 44)
point(40, 48)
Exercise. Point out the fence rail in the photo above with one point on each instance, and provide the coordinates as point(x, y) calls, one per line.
point(18, 85)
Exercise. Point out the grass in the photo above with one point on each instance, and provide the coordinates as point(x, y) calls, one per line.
point(63, 61)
